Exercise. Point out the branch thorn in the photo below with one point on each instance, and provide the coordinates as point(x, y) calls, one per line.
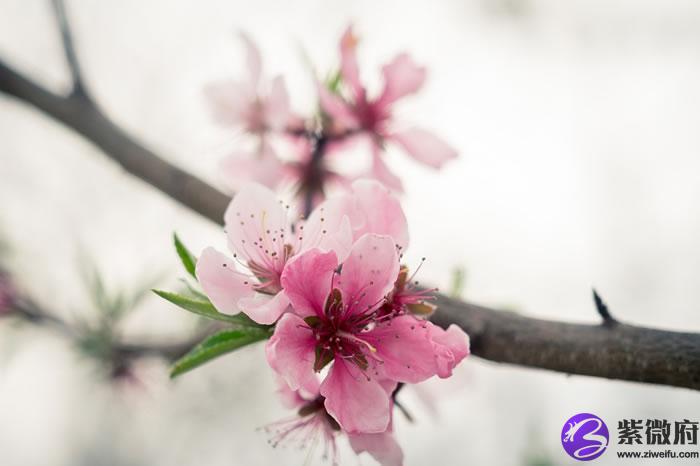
point(603, 310)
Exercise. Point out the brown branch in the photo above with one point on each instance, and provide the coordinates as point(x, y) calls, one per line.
point(79, 89)
point(83, 116)
point(122, 351)
point(619, 351)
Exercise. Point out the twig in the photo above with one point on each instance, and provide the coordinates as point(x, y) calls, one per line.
point(314, 177)
point(406, 413)
point(28, 310)
point(394, 396)
point(79, 90)
point(85, 118)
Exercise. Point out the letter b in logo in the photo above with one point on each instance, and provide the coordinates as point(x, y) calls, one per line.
point(585, 437)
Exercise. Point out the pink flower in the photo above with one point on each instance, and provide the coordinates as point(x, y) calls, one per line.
point(310, 425)
point(313, 423)
point(373, 116)
point(253, 104)
point(407, 296)
point(242, 167)
point(339, 317)
point(259, 108)
point(261, 240)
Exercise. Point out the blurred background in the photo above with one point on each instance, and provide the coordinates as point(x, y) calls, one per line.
point(576, 124)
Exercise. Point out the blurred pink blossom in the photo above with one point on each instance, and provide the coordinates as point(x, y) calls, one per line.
point(243, 167)
point(252, 104)
point(258, 107)
point(372, 118)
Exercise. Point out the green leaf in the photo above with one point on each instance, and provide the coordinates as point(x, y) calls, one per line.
point(334, 81)
point(205, 308)
point(188, 260)
point(217, 345)
point(193, 292)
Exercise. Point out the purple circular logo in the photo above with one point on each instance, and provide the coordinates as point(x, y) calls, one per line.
point(584, 437)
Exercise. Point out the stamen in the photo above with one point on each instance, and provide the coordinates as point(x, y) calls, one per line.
point(351, 337)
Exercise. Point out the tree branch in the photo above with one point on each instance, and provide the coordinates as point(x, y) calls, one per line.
point(79, 89)
point(81, 115)
point(622, 351)
point(619, 351)
point(121, 351)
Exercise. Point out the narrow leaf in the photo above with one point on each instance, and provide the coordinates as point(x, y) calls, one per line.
point(193, 292)
point(333, 81)
point(205, 308)
point(217, 345)
point(188, 260)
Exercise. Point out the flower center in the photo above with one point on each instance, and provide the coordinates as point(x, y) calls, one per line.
point(269, 278)
point(268, 273)
point(339, 336)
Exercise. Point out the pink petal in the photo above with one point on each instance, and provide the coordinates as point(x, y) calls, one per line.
point(256, 224)
point(221, 282)
point(230, 101)
point(405, 347)
point(291, 399)
point(290, 353)
point(307, 281)
point(368, 208)
point(451, 346)
point(242, 168)
point(263, 308)
point(341, 241)
point(341, 112)
point(383, 447)
point(382, 173)
point(328, 230)
point(388, 385)
point(348, 63)
point(277, 110)
point(253, 59)
point(339, 146)
point(369, 272)
point(266, 152)
point(381, 211)
point(425, 147)
point(401, 78)
point(329, 227)
point(357, 402)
